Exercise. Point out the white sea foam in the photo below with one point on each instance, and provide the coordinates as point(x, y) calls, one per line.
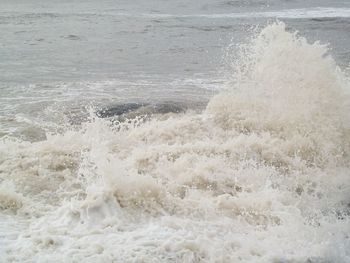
point(321, 12)
point(262, 175)
point(292, 13)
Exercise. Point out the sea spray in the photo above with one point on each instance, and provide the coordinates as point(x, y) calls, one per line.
point(291, 89)
point(261, 175)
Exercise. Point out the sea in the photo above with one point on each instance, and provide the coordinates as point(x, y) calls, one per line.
point(174, 131)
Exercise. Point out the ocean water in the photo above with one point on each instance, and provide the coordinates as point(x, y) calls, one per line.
point(188, 131)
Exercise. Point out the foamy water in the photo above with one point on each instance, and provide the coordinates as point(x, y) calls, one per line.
point(260, 175)
point(287, 13)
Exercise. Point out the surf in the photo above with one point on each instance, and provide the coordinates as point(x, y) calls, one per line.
point(260, 175)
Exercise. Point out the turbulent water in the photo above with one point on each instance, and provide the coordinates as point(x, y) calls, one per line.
point(257, 172)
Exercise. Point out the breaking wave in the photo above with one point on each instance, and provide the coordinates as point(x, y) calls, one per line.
point(261, 175)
